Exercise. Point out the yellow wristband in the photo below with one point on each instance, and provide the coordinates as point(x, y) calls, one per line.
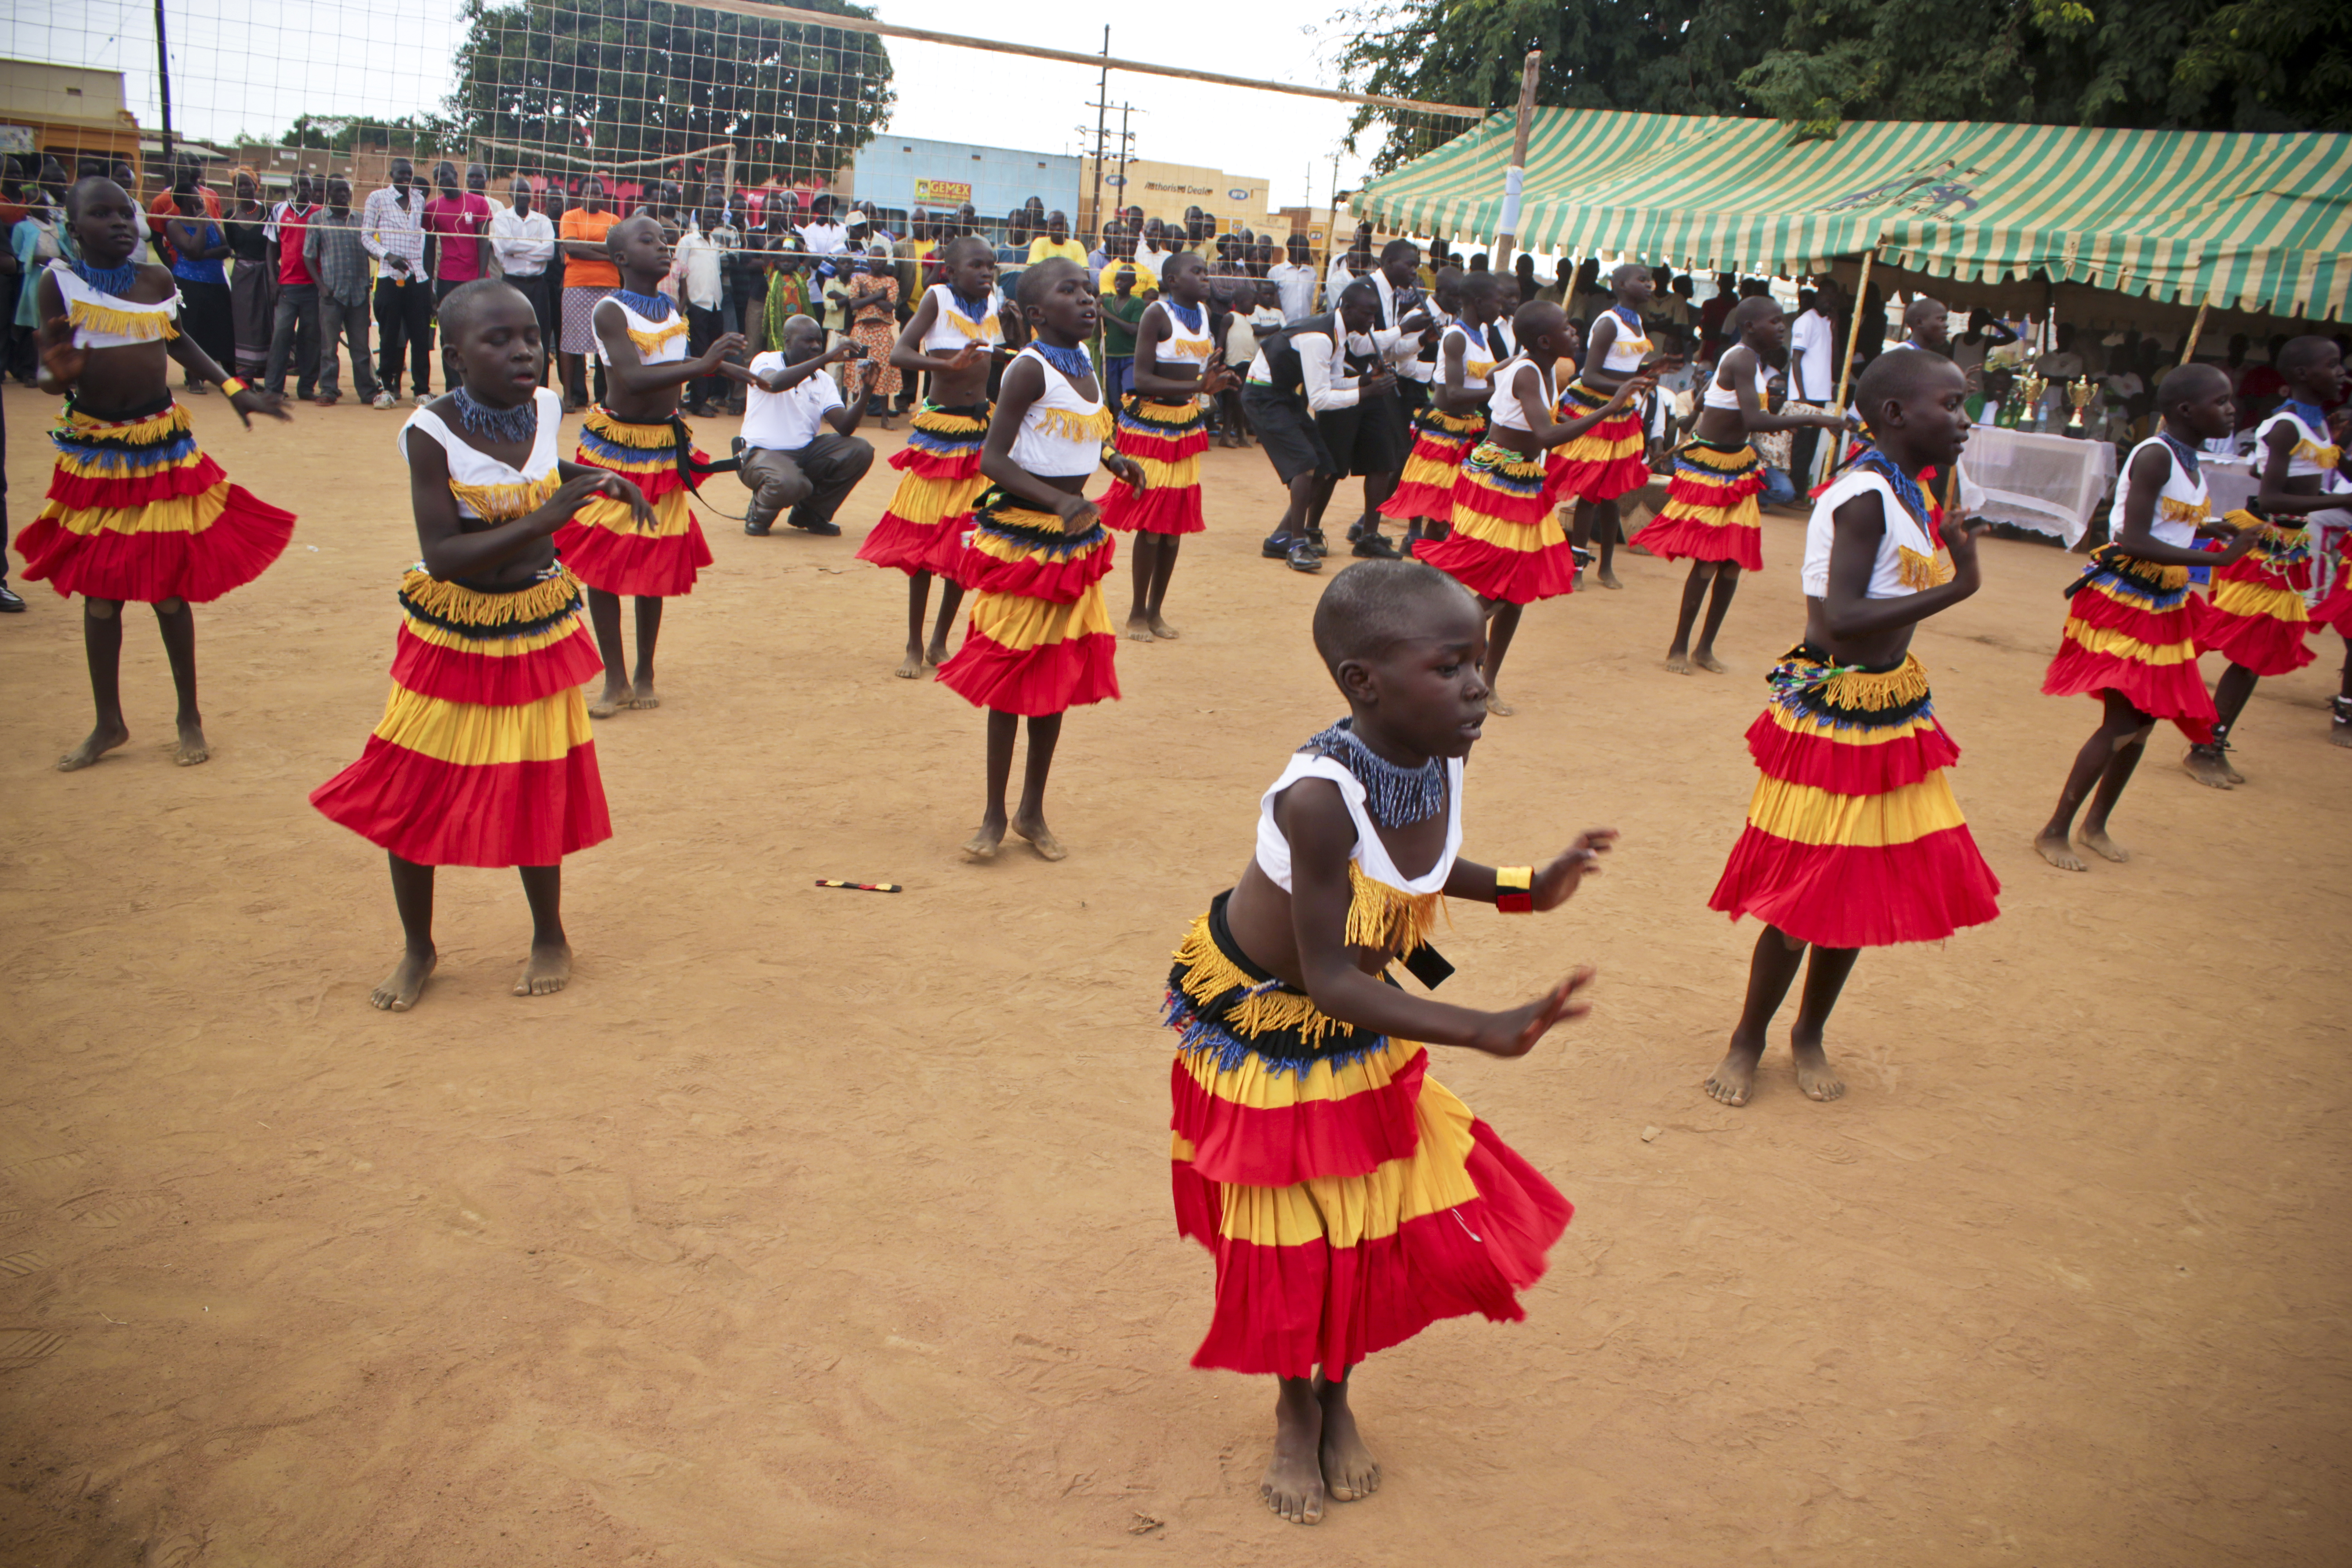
point(233, 386)
point(1513, 886)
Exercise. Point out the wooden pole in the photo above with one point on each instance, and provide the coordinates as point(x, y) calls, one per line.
point(1515, 177)
point(2189, 348)
point(1102, 126)
point(163, 91)
point(1854, 332)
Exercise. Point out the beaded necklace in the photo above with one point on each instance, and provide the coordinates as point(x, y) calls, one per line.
point(1906, 489)
point(515, 425)
point(114, 281)
point(2314, 417)
point(1630, 317)
point(1188, 315)
point(972, 310)
point(1073, 362)
point(652, 307)
point(2185, 455)
point(1394, 797)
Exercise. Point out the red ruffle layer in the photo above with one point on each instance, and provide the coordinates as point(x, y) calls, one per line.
point(442, 813)
point(1133, 442)
point(1285, 1310)
point(2264, 643)
point(492, 680)
point(2158, 628)
point(2336, 610)
point(2174, 691)
point(1048, 679)
point(1036, 576)
point(167, 482)
point(1860, 895)
point(1688, 538)
point(1248, 1147)
point(1412, 500)
point(199, 566)
point(929, 465)
point(1872, 769)
point(1587, 478)
point(639, 565)
point(1163, 509)
point(912, 547)
point(1514, 577)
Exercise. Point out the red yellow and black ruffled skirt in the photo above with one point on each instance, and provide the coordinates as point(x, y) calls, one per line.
point(939, 479)
point(1853, 838)
point(602, 545)
point(1350, 1200)
point(1606, 461)
point(1439, 443)
point(2131, 630)
point(1166, 439)
point(135, 511)
point(2335, 608)
point(1505, 543)
point(2256, 616)
point(1711, 512)
point(1039, 640)
point(484, 756)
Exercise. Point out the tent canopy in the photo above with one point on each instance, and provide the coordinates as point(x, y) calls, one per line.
point(2255, 222)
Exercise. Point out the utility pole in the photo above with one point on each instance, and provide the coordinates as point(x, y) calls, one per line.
point(164, 84)
point(1125, 144)
point(1102, 110)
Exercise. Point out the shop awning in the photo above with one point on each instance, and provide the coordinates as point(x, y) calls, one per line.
point(2254, 223)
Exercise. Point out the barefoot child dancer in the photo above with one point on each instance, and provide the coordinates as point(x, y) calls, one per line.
point(2335, 608)
point(135, 511)
point(950, 338)
point(1503, 545)
point(1039, 641)
point(2256, 616)
point(1350, 1200)
point(1607, 460)
point(484, 756)
point(2130, 634)
point(1853, 838)
point(1177, 362)
point(1450, 427)
point(1711, 518)
point(635, 432)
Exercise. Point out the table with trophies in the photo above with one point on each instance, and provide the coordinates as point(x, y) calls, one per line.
point(2048, 481)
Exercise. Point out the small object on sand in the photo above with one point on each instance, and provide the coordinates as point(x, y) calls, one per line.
point(1649, 1134)
point(862, 887)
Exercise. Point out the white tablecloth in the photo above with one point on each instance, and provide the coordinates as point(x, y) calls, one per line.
point(2230, 483)
point(2052, 484)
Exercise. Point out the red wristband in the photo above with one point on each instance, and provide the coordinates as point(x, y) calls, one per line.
point(1513, 889)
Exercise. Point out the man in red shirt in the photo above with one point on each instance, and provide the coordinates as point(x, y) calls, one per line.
point(294, 329)
point(456, 245)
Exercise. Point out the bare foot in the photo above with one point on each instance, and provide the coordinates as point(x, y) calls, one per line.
point(191, 748)
point(1041, 837)
point(1350, 1472)
point(2339, 731)
point(609, 701)
point(642, 694)
point(1608, 579)
point(1138, 628)
point(1705, 659)
point(1162, 630)
point(911, 667)
point(2096, 841)
point(2230, 769)
point(2051, 847)
point(402, 988)
point(984, 844)
point(549, 970)
point(1293, 1483)
point(102, 740)
point(1679, 663)
point(937, 654)
point(1734, 1079)
point(1813, 1074)
point(2204, 764)
point(1497, 707)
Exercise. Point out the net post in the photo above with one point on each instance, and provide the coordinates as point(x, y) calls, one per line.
point(1854, 329)
point(1515, 177)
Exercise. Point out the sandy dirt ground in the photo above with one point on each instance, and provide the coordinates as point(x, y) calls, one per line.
point(813, 1228)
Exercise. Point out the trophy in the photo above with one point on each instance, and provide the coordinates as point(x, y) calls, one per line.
point(2028, 387)
point(2078, 395)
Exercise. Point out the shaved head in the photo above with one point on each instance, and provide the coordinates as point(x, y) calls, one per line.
point(97, 185)
point(619, 233)
point(1538, 319)
point(1375, 604)
point(2189, 384)
point(1625, 272)
point(1924, 312)
point(2299, 355)
point(465, 303)
point(1038, 281)
point(1754, 309)
point(1899, 377)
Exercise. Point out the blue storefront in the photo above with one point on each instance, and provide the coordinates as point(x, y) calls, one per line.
point(903, 172)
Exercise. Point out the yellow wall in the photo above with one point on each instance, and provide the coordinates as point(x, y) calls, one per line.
point(1164, 190)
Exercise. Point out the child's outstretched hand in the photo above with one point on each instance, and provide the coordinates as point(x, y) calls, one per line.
point(1514, 1033)
point(1217, 375)
point(575, 493)
point(249, 403)
point(1080, 514)
point(1126, 470)
point(1556, 882)
point(61, 356)
point(966, 357)
point(1632, 387)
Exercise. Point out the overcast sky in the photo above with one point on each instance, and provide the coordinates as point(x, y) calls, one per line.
point(252, 65)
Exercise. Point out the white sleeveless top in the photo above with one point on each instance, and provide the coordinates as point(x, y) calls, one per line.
point(658, 342)
point(108, 320)
point(2314, 456)
point(1720, 396)
point(1909, 558)
point(1061, 434)
point(951, 329)
point(2182, 507)
point(1503, 405)
point(485, 488)
point(1625, 356)
point(1183, 345)
point(1479, 359)
point(1370, 855)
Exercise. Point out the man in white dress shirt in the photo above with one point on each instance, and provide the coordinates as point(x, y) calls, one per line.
point(1307, 398)
point(1812, 372)
point(799, 453)
point(1294, 278)
point(522, 241)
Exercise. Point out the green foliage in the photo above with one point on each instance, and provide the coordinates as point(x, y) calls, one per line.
point(2282, 64)
point(338, 133)
point(625, 79)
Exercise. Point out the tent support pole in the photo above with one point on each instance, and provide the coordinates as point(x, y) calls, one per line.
point(1854, 330)
point(2189, 344)
point(1515, 177)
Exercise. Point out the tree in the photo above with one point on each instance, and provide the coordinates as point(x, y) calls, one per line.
point(621, 81)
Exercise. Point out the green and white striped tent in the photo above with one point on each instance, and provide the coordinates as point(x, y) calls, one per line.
point(2253, 223)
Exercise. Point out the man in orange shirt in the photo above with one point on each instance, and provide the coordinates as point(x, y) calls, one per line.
point(588, 277)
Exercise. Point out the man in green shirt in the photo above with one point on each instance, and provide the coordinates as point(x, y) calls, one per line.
point(1121, 310)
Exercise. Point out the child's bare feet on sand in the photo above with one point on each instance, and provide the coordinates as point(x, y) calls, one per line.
point(609, 701)
point(102, 740)
point(400, 988)
point(1734, 1079)
point(2052, 848)
point(2205, 765)
point(1350, 1472)
point(937, 654)
point(1162, 630)
point(1813, 1074)
point(1679, 663)
point(1705, 659)
point(642, 693)
point(1293, 1483)
point(1040, 836)
point(984, 844)
point(549, 970)
point(1608, 579)
point(2096, 841)
point(1138, 628)
point(911, 667)
point(191, 748)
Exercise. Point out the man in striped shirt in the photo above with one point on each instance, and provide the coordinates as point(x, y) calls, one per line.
point(392, 226)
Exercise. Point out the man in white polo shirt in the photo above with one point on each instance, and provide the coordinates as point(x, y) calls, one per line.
point(1812, 372)
point(787, 455)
